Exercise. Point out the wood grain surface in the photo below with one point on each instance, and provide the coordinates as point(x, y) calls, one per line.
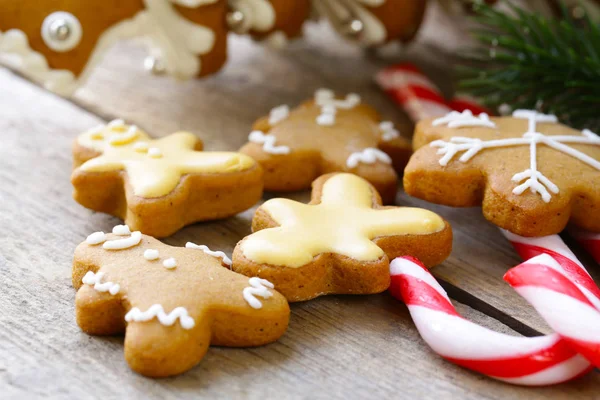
point(338, 347)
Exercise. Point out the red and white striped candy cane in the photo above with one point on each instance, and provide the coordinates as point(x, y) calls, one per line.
point(542, 281)
point(544, 360)
point(589, 240)
point(554, 246)
point(418, 96)
point(413, 91)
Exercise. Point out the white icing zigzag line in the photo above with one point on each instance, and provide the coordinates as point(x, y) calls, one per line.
point(96, 238)
point(157, 311)
point(369, 155)
point(219, 254)
point(120, 244)
point(96, 280)
point(388, 131)
point(268, 142)
point(455, 119)
point(121, 230)
point(536, 181)
point(325, 99)
point(278, 114)
point(258, 287)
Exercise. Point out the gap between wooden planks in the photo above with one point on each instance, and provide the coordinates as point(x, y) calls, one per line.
point(43, 352)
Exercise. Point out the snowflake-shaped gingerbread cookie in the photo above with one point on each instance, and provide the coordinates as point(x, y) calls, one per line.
point(531, 174)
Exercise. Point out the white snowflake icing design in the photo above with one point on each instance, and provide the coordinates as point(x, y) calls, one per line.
point(535, 180)
point(455, 119)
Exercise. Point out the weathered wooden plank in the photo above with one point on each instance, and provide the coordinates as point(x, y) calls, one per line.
point(336, 347)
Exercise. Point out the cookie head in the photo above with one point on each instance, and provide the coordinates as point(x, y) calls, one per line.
point(159, 185)
point(339, 243)
point(171, 302)
point(531, 174)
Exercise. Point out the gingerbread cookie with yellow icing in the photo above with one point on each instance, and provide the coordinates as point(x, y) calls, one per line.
point(171, 302)
point(157, 186)
point(340, 243)
point(328, 134)
point(531, 174)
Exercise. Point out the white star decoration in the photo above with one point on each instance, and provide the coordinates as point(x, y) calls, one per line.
point(535, 180)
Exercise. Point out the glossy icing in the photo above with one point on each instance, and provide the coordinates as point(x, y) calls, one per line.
point(345, 223)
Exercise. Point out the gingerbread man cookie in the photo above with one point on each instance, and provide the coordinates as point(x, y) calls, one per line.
point(531, 174)
point(339, 243)
point(327, 134)
point(160, 185)
point(171, 302)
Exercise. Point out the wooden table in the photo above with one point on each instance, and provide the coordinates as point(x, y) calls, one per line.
point(337, 347)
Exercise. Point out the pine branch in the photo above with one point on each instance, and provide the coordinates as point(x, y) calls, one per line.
point(528, 61)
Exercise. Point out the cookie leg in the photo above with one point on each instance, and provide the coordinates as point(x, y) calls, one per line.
point(254, 328)
point(99, 313)
point(155, 350)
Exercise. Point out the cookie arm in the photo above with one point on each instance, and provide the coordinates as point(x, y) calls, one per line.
point(99, 313)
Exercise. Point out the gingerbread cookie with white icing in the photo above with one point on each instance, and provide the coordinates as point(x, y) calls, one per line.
point(57, 43)
point(157, 186)
point(340, 243)
point(327, 134)
point(531, 174)
point(171, 302)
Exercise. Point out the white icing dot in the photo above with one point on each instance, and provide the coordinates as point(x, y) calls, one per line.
point(96, 238)
point(170, 263)
point(121, 230)
point(141, 147)
point(116, 123)
point(154, 152)
point(97, 133)
point(151, 254)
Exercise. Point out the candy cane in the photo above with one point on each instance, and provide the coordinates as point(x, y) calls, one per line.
point(570, 266)
point(544, 360)
point(589, 240)
point(542, 281)
point(414, 92)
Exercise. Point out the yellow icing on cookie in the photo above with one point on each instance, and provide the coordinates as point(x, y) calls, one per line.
point(155, 167)
point(343, 223)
